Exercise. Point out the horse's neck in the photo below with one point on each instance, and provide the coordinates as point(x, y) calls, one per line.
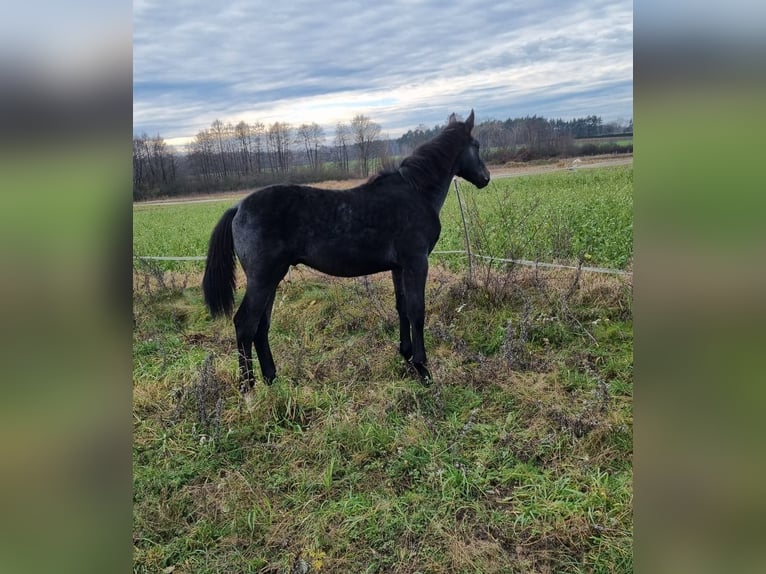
point(433, 189)
point(433, 186)
point(439, 194)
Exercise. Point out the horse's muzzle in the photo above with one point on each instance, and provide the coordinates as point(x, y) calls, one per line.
point(483, 179)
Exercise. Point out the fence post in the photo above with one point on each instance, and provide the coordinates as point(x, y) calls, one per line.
point(465, 232)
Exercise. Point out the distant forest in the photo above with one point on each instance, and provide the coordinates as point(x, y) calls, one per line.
point(226, 156)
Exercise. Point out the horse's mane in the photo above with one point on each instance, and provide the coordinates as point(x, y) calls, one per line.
point(382, 175)
point(431, 159)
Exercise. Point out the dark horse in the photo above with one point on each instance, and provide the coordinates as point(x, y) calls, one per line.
point(390, 223)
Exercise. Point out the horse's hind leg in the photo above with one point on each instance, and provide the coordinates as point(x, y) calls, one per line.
point(247, 322)
point(244, 327)
point(262, 348)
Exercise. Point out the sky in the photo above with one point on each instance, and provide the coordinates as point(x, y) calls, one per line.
point(401, 63)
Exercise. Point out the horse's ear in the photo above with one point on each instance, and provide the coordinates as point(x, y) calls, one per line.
point(452, 118)
point(469, 122)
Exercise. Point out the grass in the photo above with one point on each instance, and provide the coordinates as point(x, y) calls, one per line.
point(176, 230)
point(562, 216)
point(517, 459)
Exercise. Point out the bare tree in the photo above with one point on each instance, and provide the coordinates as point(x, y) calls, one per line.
point(365, 133)
point(154, 166)
point(230, 149)
point(140, 163)
point(257, 132)
point(202, 156)
point(279, 146)
point(242, 132)
point(160, 159)
point(311, 136)
point(342, 141)
point(219, 133)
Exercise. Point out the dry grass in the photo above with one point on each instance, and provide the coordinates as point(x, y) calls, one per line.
point(517, 459)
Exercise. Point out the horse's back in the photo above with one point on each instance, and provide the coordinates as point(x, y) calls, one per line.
point(317, 211)
point(352, 232)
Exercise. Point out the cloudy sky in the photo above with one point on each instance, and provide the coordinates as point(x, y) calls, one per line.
point(401, 63)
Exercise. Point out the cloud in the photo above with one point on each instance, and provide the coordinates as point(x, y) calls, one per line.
point(402, 63)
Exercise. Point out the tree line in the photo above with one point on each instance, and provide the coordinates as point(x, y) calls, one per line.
point(533, 137)
point(232, 156)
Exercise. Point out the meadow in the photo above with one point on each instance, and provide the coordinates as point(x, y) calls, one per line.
point(517, 459)
point(558, 217)
point(562, 216)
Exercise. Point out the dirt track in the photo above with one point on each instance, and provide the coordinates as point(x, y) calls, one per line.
point(497, 172)
point(560, 165)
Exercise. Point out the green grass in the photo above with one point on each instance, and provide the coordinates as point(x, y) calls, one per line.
point(517, 459)
point(561, 216)
point(176, 230)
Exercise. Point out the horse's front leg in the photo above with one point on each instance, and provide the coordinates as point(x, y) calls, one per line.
point(414, 282)
point(405, 340)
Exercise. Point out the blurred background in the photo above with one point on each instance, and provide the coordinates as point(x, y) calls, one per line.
point(65, 241)
point(65, 178)
point(699, 286)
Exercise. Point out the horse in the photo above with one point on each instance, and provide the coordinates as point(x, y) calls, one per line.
point(389, 223)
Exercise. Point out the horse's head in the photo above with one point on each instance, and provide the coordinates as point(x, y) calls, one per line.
point(470, 166)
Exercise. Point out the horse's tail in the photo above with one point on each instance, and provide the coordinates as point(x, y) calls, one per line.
point(218, 282)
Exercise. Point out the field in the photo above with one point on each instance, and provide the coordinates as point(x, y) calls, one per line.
point(517, 459)
point(561, 216)
point(619, 140)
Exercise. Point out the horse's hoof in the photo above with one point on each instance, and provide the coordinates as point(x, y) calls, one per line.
point(423, 373)
point(269, 380)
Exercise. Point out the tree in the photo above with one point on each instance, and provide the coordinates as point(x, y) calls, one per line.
point(219, 132)
point(242, 133)
point(201, 152)
point(413, 138)
point(162, 160)
point(279, 146)
point(493, 136)
point(311, 136)
point(257, 132)
point(140, 163)
point(365, 132)
point(154, 166)
point(342, 140)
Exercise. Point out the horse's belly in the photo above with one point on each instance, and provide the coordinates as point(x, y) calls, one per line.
point(350, 262)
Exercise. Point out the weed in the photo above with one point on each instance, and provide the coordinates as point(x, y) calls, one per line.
point(152, 277)
point(209, 402)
